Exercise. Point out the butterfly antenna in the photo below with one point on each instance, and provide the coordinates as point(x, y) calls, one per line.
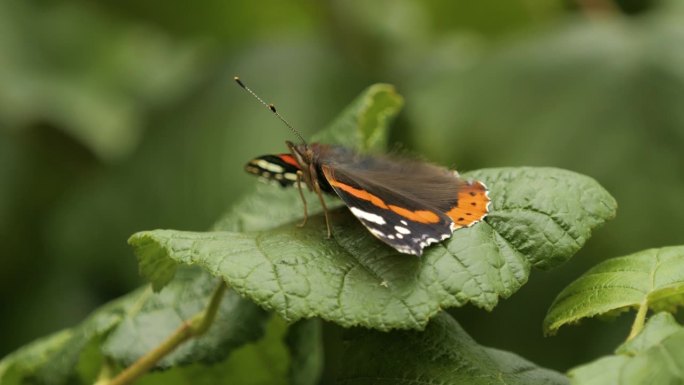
point(271, 107)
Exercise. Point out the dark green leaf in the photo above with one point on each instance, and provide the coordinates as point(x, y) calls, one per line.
point(263, 362)
point(364, 123)
point(156, 316)
point(443, 354)
point(53, 360)
point(654, 276)
point(655, 356)
point(133, 325)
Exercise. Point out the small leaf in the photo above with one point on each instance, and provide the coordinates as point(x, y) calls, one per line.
point(655, 276)
point(263, 362)
point(28, 360)
point(363, 124)
point(156, 316)
point(658, 328)
point(605, 370)
point(539, 217)
point(655, 356)
point(443, 354)
point(134, 324)
point(53, 359)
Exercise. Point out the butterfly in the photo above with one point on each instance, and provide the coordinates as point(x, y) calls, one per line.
point(407, 204)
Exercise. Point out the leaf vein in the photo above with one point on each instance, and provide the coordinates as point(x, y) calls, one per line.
point(565, 227)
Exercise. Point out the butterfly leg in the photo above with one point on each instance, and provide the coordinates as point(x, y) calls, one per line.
point(317, 189)
point(301, 195)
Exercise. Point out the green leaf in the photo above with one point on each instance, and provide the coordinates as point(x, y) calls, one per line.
point(156, 316)
point(27, 360)
point(363, 124)
point(659, 327)
point(544, 214)
point(539, 217)
point(53, 359)
point(654, 277)
point(133, 325)
point(655, 356)
point(443, 354)
point(264, 362)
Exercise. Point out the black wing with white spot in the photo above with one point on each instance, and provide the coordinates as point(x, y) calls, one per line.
point(404, 224)
point(280, 168)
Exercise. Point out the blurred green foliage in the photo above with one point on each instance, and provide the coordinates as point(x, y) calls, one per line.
point(122, 116)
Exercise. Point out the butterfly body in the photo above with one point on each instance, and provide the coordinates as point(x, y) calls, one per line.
point(405, 203)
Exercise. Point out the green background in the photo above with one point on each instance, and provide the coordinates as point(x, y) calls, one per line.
point(121, 116)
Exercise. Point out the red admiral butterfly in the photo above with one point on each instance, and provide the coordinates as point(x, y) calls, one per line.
point(407, 204)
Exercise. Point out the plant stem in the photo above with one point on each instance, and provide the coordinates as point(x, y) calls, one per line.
point(106, 372)
point(639, 320)
point(193, 327)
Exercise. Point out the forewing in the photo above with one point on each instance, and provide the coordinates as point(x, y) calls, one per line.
point(406, 224)
point(427, 185)
point(281, 168)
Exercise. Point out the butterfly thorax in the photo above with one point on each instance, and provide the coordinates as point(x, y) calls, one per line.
point(312, 157)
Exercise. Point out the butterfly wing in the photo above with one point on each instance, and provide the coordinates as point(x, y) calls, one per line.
point(281, 168)
point(405, 224)
point(405, 203)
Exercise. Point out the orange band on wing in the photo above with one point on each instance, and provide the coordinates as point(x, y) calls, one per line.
point(422, 216)
point(289, 159)
point(358, 193)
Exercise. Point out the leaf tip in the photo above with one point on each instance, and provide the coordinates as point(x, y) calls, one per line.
point(153, 259)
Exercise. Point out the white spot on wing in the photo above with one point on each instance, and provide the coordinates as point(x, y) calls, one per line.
point(377, 232)
point(370, 217)
point(408, 250)
point(402, 230)
point(272, 167)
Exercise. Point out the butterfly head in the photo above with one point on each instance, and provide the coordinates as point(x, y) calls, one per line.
point(302, 153)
